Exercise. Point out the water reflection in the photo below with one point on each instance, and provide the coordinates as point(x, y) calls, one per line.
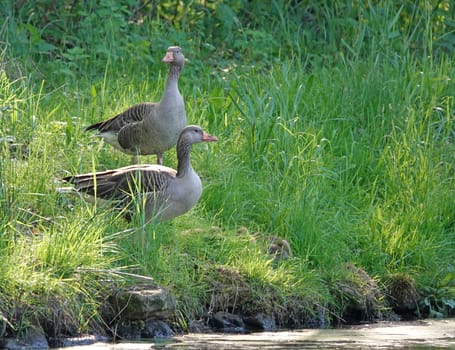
point(432, 334)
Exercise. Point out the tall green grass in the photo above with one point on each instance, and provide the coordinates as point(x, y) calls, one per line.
point(338, 137)
point(321, 158)
point(56, 264)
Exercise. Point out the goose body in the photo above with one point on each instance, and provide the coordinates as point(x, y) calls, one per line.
point(166, 193)
point(150, 127)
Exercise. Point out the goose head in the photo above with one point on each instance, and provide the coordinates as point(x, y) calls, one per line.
point(194, 134)
point(174, 56)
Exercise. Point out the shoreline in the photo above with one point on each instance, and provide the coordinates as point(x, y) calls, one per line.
point(430, 332)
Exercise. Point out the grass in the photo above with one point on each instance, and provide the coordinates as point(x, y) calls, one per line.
point(348, 155)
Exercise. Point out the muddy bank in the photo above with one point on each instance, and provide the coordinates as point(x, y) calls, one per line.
point(232, 305)
point(149, 311)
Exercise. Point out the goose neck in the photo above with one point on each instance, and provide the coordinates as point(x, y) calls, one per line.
point(171, 88)
point(183, 158)
point(173, 74)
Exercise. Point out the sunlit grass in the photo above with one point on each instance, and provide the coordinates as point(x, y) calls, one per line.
point(349, 163)
point(348, 155)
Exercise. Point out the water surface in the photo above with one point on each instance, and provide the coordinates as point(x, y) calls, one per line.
point(430, 334)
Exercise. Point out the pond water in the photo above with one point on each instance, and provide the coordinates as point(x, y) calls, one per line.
point(430, 334)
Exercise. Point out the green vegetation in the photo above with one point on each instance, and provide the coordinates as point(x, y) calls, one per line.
point(337, 133)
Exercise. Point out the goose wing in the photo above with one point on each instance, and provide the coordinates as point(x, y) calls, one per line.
point(132, 115)
point(130, 136)
point(124, 182)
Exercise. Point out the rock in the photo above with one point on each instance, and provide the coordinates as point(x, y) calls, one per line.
point(144, 302)
point(141, 312)
point(227, 322)
point(199, 326)
point(34, 339)
point(261, 322)
point(156, 329)
point(137, 330)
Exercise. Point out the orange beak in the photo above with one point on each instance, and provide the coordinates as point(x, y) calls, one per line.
point(208, 138)
point(169, 57)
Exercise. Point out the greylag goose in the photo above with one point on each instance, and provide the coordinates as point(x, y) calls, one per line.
point(150, 127)
point(168, 193)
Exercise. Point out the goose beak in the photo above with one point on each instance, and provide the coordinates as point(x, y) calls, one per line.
point(169, 57)
point(208, 138)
